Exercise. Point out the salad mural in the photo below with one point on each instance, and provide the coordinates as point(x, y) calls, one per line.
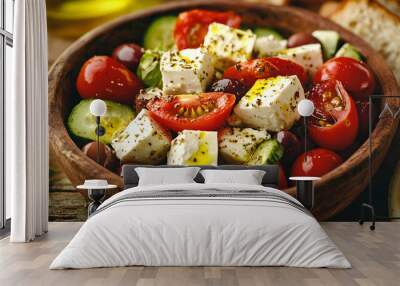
point(202, 89)
point(197, 96)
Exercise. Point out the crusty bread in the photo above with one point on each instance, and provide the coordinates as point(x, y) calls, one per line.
point(392, 5)
point(376, 25)
point(328, 8)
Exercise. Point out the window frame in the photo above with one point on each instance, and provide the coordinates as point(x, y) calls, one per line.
point(6, 39)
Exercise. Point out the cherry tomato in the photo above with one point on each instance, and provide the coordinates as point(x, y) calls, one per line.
point(318, 163)
point(300, 39)
point(205, 111)
point(248, 72)
point(129, 55)
point(356, 76)
point(227, 85)
point(282, 183)
point(105, 78)
point(287, 68)
point(334, 124)
point(192, 26)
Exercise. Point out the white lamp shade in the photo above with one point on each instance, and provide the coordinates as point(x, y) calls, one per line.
point(98, 107)
point(305, 107)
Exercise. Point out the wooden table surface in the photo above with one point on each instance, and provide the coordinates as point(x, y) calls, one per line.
point(374, 255)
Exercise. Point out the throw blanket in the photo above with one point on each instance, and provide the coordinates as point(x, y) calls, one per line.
point(205, 194)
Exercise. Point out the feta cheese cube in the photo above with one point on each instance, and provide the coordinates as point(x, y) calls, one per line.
point(271, 103)
point(143, 141)
point(186, 71)
point(267, 45)
point(192, 147)
point(308, 56)
point(237, 145)
point(228, 46)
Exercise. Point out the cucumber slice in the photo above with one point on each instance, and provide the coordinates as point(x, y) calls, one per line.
point(348, 50)
point(269, 152)
point(82, 123)
point(149, 69)
point(263, 32)
point(329, 41)
point(160, 34)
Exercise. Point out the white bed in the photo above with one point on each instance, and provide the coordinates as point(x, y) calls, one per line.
point(203, 225)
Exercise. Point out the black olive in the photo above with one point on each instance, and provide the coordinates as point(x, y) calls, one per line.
point(128, 54)
point(300, 39)
point(233, 86)
point(292, 145)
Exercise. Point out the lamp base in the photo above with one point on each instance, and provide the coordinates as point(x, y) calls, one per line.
point(305, 190)
point(305, 193)
point(362, 217)
point(96, 196)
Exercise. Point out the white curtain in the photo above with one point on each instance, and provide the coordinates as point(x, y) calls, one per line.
point(27, 124)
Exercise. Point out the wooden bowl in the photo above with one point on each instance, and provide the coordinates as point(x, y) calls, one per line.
point(334, 192)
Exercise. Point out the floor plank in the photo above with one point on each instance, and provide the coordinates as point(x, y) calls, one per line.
point(375, 257)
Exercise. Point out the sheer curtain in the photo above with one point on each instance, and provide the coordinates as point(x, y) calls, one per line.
point(27, 124)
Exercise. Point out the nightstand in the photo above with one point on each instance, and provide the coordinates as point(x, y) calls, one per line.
point(97, 190)
point(305, 190)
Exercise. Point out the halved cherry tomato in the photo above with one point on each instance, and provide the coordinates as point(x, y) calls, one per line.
point(318, 162)
point(248, 72)
point(356, 76)
point(334, 124)
point(205, 111)
point(191, 26)
point(105, 78)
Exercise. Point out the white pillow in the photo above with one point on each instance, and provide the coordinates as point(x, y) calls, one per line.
point(166, 176)
point(248, 177)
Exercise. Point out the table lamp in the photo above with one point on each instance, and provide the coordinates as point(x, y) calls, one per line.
point(98, 108)
point(305, 185)
point(305, 108)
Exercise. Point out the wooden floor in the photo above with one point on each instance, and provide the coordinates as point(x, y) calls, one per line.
point(375, 257)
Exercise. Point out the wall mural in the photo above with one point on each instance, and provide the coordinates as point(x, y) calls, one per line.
point(227, 95)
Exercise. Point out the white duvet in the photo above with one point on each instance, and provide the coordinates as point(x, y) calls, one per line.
point(203, 231)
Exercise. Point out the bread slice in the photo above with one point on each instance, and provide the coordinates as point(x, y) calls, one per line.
point(328, 8)
point(391, 5)
point(376, 25)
